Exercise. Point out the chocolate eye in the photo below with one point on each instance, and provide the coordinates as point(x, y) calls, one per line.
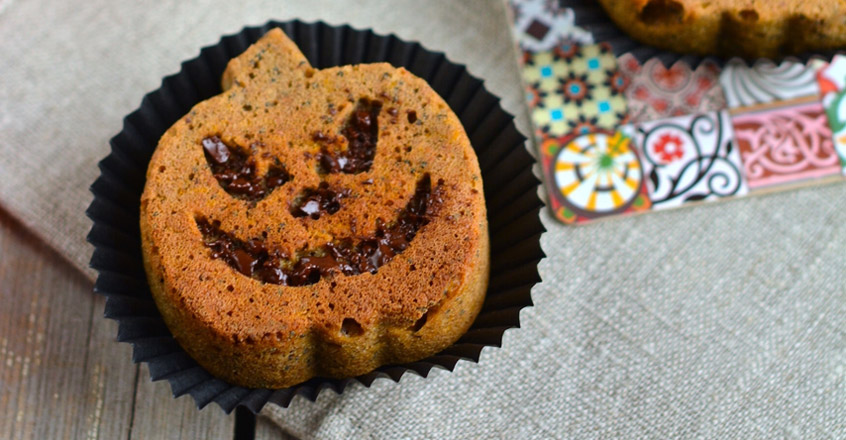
point(362, 132)
point(235, 171)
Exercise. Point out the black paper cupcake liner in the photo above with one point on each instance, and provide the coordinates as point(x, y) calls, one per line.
point(509, 185)
point(590, 16)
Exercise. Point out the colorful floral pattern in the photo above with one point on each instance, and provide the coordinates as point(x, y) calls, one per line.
point(689, 158)
point(575, 88)
point(586, 86)
point(668, 148)
point(785, 144)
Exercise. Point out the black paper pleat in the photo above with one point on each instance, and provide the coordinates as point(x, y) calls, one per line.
point(510, 191)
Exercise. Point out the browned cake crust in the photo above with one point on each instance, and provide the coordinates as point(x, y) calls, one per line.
point(280, 245)
point(748, 28)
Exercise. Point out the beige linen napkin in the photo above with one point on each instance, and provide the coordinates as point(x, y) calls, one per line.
point(718, 321)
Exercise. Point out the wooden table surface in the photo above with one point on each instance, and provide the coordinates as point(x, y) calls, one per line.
point(62, 373)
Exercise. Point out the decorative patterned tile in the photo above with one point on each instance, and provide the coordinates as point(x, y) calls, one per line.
point(767, 82)
point(574, 88)
point(688, 158)
point(835, 108)
point(655, 91)
point(541, 25)
point(593, 175)
point(785, 143)
point(629, 134)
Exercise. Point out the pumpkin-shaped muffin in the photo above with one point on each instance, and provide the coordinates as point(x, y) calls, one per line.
point(309, 222)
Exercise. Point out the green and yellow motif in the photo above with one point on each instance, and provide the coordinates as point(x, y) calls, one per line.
point(598, 173)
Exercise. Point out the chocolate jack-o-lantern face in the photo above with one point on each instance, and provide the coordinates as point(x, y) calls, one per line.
point(314, 222)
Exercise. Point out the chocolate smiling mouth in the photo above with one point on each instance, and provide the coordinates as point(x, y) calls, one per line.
point(349, 256)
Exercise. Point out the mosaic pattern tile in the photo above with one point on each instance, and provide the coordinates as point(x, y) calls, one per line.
point(766, 82)
point(630, 134)
point(594, 175)
point(574, 88)
point(689, 158)
point(655, 91)
point(835, 109)
point(541, 25)
point(785, 143)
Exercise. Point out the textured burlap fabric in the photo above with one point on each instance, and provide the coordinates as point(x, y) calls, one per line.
point(718, 321)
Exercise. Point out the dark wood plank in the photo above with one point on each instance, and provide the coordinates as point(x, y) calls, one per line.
point(159, 416)
point(111, 378)
point(62, 374)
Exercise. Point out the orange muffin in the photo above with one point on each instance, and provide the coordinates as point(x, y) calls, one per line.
point(749, 28)
point(310, 222)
